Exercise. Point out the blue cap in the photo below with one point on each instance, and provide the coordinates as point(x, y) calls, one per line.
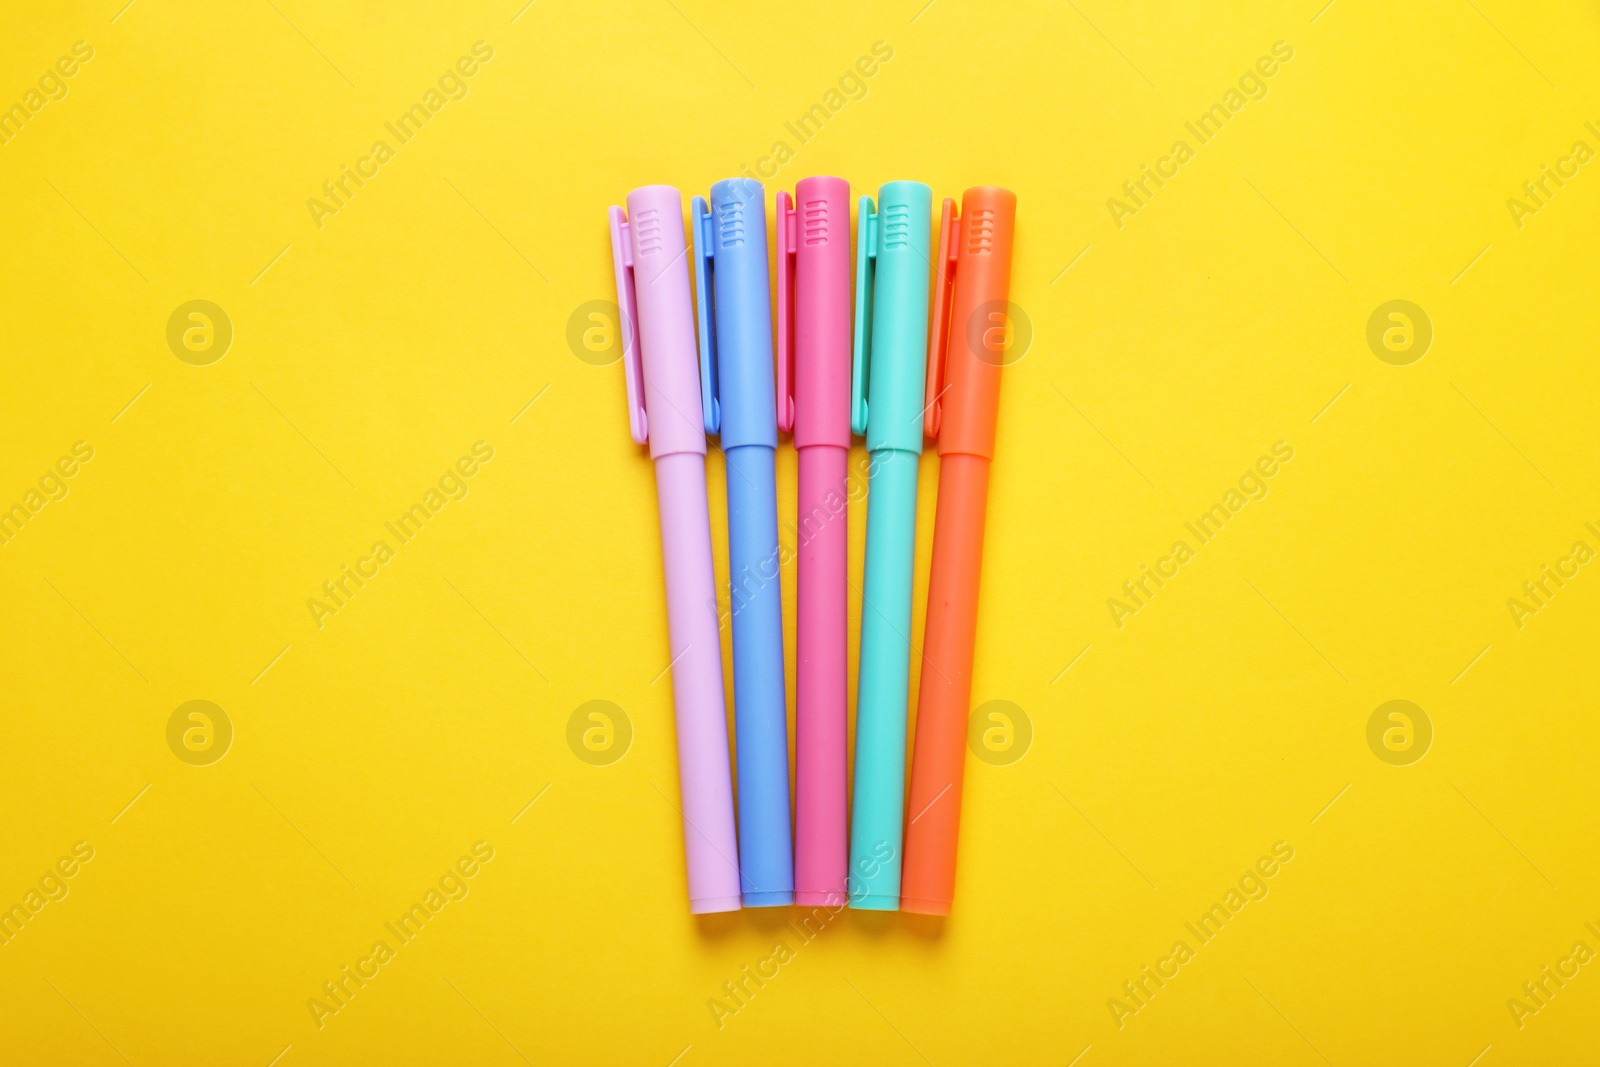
point(737, 388)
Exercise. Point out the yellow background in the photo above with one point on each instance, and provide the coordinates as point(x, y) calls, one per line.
point(368, 354)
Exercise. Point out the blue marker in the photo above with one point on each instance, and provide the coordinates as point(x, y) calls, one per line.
point(739, 399)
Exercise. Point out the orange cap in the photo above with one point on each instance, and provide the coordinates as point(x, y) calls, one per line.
point(971, 329)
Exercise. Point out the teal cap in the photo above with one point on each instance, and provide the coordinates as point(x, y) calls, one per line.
point(893, 259)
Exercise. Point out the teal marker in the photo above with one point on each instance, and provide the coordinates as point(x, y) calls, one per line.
point(887, 380)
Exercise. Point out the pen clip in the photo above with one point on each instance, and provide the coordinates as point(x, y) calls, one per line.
point(866, 272)
point(628, 312)
point(939, 327)
point(705, 300)
point(786, 271)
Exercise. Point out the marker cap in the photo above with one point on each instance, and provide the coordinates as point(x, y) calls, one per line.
point(735, 305)
point(659, 358)
point(891, 322)
point(971, 323)
point(814, 315)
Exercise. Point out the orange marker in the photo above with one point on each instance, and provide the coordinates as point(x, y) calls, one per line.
point(967, 344)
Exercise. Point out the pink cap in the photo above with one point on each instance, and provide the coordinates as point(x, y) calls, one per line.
point(814, 325)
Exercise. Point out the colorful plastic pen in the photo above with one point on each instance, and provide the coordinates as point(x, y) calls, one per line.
point(971, 330)
point(658, 360)
point(891, 334)
point(814, 404)
point(736, 394)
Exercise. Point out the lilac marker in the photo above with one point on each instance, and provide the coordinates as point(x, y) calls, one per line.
point(661, 367)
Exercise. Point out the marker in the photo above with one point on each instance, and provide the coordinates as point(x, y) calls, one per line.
point(891, 336)
point(648, 253)
point(737, 397)
point(971, 332)
point(814, 404)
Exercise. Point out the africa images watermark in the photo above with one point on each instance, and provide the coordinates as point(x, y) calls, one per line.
point(1537, 192)
point(52, 88)
point(1538, 591)
point(51, 487)
point(738, 992)
point(599, 732)
point(1252, 885)
point(852, 85)
point(1252, 485)
point(833, 507)
point(338, 591)
point(1252, 85)
point(52, 886)
point(452, 886)
point(353, 178)
point(1542, 988)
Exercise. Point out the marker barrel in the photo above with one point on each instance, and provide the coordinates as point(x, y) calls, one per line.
point(944, 693)
point(761, 727)
point(709, 839)
point(821, 830)
point(881, 704)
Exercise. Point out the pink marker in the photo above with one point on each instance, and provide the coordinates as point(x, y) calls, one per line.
point(814, 349)
point(661, 368)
